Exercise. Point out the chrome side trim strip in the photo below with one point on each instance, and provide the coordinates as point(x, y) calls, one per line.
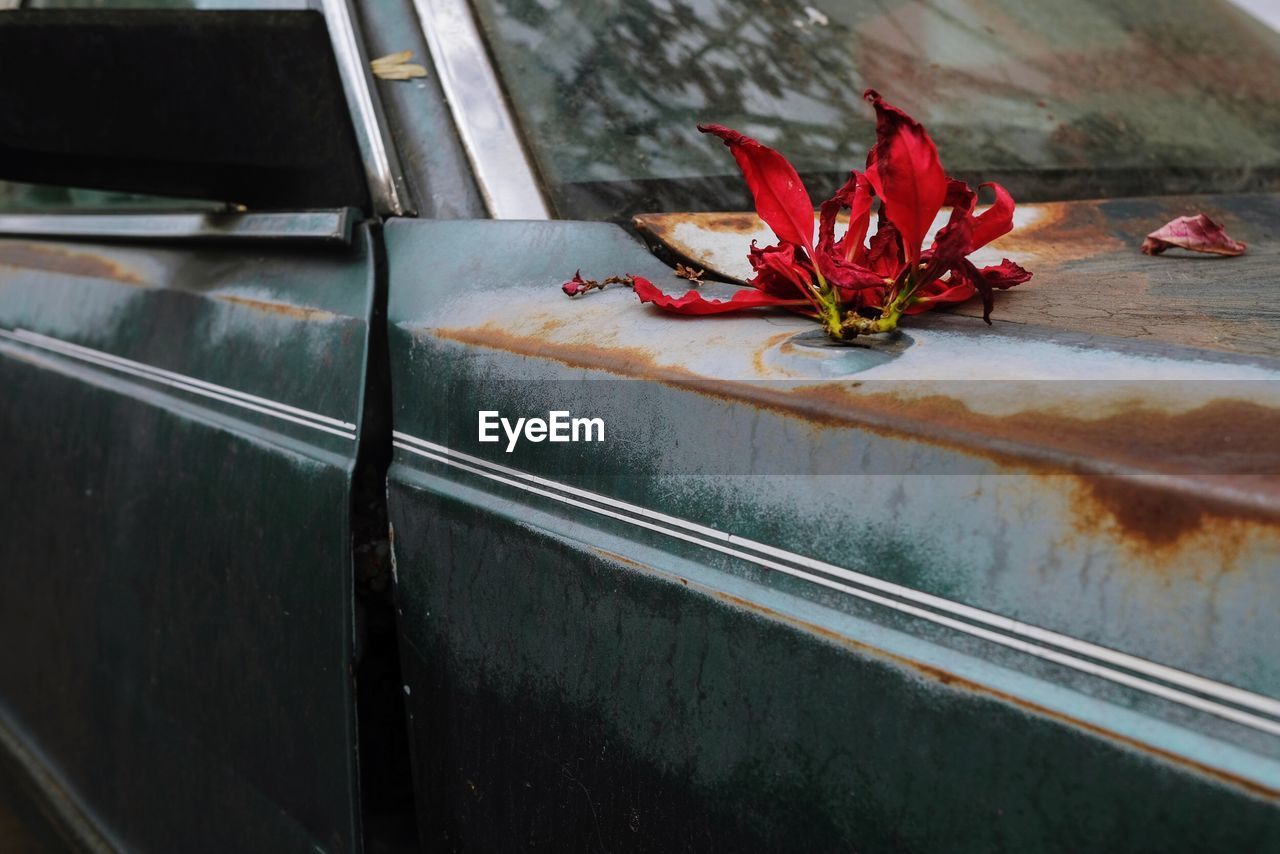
point(334, 226)
point(381, 165)
point(63, 806)
point(191, 385)
point(1083, 656)
point(503, 170)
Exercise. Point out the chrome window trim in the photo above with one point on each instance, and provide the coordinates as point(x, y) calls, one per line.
point(381, 165)
point(505, 174)
point(329, 226)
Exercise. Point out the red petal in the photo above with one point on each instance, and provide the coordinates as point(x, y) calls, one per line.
point(939, 292)
point(1197, 233)
point(884, 258)
point(849, 279)
point(855, 195)
point(995, 221)
point(960, 195)
point(903, 167)
point(694, 303)
point(781, 198)
point(778, 270)
point(1005, 275)
point(952, 242)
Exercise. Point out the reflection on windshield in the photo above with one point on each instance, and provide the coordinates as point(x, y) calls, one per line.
point(1057, 99)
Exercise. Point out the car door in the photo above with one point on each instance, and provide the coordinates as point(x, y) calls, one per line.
point(999, 589)
point(183, 421)
point(781, 605)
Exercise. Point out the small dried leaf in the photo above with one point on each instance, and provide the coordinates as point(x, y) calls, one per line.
point(1197, 233)
point(396, 66)
point(401, 72)
point(393, 58)
point(689, 273)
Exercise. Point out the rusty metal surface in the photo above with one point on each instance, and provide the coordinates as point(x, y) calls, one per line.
point(1089, 274)
point(64, 261)
point(1117, 491)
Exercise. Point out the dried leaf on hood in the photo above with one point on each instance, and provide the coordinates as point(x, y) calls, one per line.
point(396, 66)
point(1197, 233)
point(689, 273)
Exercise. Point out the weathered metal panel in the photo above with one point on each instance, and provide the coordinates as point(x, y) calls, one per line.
point(579, 690)
point(1048, 549)
point(178, 435)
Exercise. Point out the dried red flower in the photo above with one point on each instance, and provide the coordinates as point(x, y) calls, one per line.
point(850, 286)
point(575, 286)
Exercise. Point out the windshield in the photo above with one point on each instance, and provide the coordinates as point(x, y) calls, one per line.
point(1055, 99)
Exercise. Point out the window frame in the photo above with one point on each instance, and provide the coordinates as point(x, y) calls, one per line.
point(383, 174)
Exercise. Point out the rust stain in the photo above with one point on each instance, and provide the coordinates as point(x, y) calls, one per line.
point(774, 341)
point(1063, 231)
point(295, 311)
point(1221, 442)
point(52, 259)
point(619, 360)
point(625, 561)
point(949, 679)
point(1155, 523)
point(1227, 444)
point(1227, 436)
point(664, 225)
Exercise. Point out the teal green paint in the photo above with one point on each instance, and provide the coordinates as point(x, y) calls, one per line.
point(699, 721)
point(561, 694)
point(177, 568)
point(919, 510)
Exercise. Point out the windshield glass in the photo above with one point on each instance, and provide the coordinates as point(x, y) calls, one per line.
point(1055, 99)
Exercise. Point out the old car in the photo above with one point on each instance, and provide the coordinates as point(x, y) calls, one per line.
point(265, 587)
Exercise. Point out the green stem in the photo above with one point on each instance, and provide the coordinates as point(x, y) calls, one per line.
point(855, 324)
point(828, 307)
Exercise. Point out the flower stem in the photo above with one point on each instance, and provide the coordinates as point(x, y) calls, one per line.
point(855, 324)
point(828, 308)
